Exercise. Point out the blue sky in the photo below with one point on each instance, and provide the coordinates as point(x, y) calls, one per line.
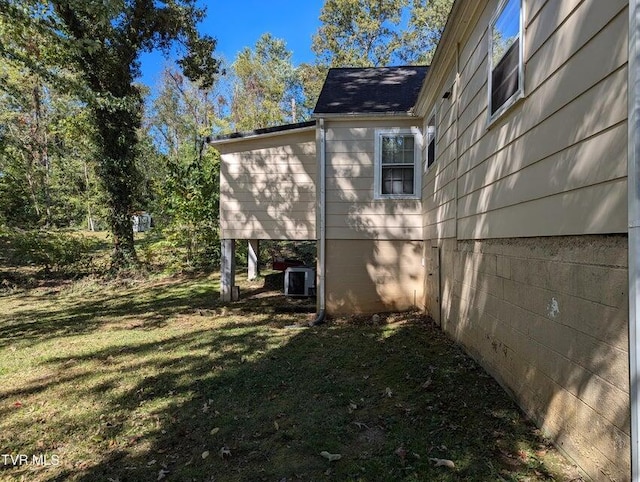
point(239, 23)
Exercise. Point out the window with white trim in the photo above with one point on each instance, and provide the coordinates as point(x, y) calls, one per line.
point(397, 154)
point(506, 69)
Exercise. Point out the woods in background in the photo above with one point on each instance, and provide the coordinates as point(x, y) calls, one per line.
point(84, 145)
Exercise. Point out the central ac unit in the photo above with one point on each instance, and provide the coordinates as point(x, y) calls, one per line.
point(299, 281)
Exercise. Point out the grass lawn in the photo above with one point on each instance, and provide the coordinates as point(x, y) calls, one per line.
point(146, 380)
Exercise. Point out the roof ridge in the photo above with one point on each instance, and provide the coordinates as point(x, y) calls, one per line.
point(421, 66)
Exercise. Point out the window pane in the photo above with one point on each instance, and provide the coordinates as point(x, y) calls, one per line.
point(397, 180)
point(504, 78)
point(388, 149)
point(407, 181)
point(408, 143)
point(393, 151)
point(506, 30)
point(505, 52)
point(387, 181)
point(431, 141)
point(431, 152)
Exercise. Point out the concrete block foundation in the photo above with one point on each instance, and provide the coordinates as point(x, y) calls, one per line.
point(548, 318)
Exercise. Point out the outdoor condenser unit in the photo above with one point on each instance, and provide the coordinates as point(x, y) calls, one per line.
point(299, 281)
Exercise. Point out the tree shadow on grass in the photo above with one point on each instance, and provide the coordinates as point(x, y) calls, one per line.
point(146, 305)
point(259, 402)
point(150, 305)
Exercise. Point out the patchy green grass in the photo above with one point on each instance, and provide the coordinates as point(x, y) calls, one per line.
point(155, 380)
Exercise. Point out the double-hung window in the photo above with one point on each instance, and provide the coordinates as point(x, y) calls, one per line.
point(397, 154)
point(506, 69)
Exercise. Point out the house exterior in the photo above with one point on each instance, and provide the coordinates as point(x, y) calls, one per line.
point(490, 190)
point(372, 150)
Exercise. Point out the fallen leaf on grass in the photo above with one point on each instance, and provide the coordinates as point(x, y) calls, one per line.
point(361, 425)
point(401, 452)
point(388, 392)
point(162, 474)
point(214, 430)
point(276, 426)
point(443, 463)
point(330, 457)
point(205, 454)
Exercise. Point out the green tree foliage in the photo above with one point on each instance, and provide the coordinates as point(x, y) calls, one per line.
point(359, 33)
point(311, 78)
point(265, 85)
point(47, 176)
point(80, 199)
point(191, 205)
point(377, 33)
point(186, 181)
point(25, 161)
point(102, 42)
point(426, 24)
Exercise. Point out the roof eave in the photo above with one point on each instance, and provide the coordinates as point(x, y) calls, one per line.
point(253, 136)
point(364, 115)
point(458, 22)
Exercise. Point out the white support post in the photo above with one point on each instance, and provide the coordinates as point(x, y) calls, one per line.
point(253, 259)
point(227, 269)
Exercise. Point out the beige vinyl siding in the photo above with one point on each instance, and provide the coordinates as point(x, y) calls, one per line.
point(556, 163)
point(268, 187)
point(438, 183)
point(473, 64)
point(553, 148)
point(352, 212)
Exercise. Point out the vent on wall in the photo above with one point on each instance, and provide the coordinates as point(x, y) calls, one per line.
point(299, 281)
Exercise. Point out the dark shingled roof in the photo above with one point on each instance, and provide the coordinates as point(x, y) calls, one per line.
point(265, 130)
point(370, 90)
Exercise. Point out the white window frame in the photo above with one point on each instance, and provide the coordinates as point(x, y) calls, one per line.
point(519, 93)
point(431, 133)
point(417, 155)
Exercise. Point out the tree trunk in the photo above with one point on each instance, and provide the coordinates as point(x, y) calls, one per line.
point(47, 187)
point(32, 191)
point(39, 138)
point(119, 175)
point(124, 252)
point(87, 187)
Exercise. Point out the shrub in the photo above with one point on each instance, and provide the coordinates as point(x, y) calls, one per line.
point(49, 250)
